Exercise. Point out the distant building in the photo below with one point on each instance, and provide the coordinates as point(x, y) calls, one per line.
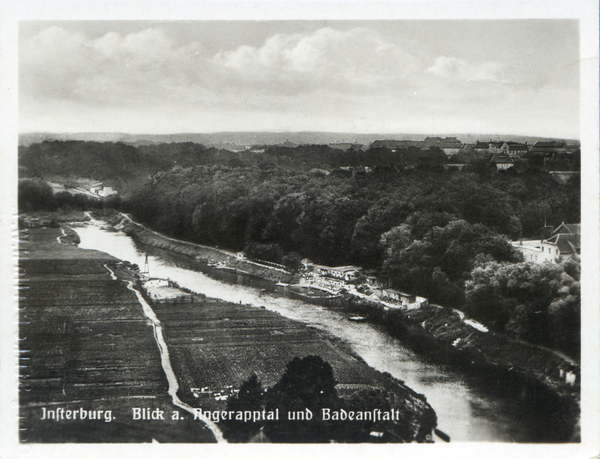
point(106, 191)
point(345, 273)
point(482, 147)
point(502, 161)
point(543, 148)
point(405, 300)
point(568, 228)
point(432, 141)
point(515, 149)
point(563, 245)
point(346, 146)
point(450, 145)
point(498, 147)
point(512, 149)
point(395, 145)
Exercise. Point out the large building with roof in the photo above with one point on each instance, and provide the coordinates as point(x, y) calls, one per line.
point(564, 242)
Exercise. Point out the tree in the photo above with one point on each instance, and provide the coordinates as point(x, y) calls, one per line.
point(34, 194)
point(437, 265)
point(292, 260)
point(249, 398)
point(307, 383)
point(539, 303)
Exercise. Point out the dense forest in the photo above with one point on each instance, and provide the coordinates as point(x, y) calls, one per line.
point(401, 215)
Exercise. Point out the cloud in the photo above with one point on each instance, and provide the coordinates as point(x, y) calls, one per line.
point(112, 68)
point(457, 69)
point(358, 58)
point(298, 80)
point(147, 65)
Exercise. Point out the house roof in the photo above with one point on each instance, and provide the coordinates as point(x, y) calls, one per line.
point(396, 292)
point(550, 144)
point(567, 243)
point(547, 147)
point(397, 143)
point(568, 228)
point(343, 269)
point(450, 144)
point(501, 159)
point(517, 146)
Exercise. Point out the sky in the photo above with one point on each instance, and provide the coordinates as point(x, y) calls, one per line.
point(516, 77)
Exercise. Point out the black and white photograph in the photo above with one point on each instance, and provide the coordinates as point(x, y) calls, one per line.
point(303, 229)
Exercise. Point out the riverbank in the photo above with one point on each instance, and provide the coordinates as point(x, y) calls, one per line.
point(203, 255)
point(536, 375)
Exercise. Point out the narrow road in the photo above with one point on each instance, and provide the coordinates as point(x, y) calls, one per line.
point(166, 362)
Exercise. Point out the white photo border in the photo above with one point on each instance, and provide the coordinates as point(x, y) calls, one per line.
point(586, 11)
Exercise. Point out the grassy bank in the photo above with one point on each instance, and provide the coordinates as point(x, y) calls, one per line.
point(201, 254)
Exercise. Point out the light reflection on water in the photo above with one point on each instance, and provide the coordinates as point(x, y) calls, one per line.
point(465, 412)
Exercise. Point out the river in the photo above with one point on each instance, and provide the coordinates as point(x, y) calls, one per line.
point(468, 408)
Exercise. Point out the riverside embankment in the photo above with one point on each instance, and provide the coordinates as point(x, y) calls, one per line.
point(490, 387)
point(539, 377)
point(203, 255)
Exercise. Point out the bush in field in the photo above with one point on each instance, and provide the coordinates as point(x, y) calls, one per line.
point(307, 386)
point(292, 260)
point(307, 383)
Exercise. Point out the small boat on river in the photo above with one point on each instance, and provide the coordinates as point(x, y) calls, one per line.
point(357, 318)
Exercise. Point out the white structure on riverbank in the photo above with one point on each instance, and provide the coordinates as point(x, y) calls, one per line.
point(564, 242)
point(352, 279)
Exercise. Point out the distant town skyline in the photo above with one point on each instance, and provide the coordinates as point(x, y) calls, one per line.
point(513, 77)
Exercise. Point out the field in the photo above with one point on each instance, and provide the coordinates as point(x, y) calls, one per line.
point(215, 346)
point(88, 345)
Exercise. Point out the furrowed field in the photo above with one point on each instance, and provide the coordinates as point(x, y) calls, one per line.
point(216, 344)
point(87, 344)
